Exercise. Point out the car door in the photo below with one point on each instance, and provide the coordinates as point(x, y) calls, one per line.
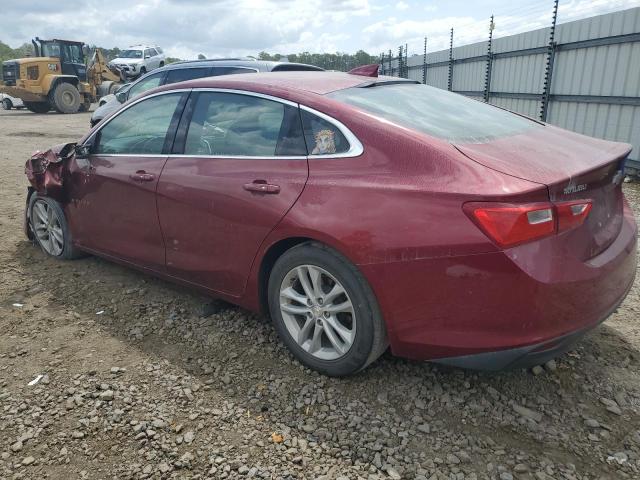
point(113, 190)
point(239, 165)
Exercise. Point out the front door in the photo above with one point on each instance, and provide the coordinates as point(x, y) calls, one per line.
point(72, 61)
point(112, 206)
point(241, 165)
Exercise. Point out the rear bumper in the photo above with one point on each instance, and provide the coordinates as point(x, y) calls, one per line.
point(523, 357)
point(502, 309)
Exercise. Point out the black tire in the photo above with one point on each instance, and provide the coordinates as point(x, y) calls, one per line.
point(66, 98)
point(162, 64)
point(370, 339)
point(143, 70)
point(38, 107)
point(68, 251)
point(6, 104)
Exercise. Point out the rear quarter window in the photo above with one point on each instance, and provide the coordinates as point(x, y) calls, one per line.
point(436, 112)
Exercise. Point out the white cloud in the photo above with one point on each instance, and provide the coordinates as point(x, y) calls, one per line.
point(402, 5)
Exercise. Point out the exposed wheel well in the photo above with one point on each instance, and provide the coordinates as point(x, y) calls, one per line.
point(268, 261)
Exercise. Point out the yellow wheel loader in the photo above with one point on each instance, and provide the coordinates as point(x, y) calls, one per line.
point(58, 77)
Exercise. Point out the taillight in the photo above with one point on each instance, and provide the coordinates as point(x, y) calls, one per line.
point(509, 224)
point(572, 214)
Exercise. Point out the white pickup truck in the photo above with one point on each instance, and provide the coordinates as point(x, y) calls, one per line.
point(10, 102)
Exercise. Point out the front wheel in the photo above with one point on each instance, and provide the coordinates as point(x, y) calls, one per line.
point(324, 311)
point(50, 228)
point(66, 98)
point(6, 104)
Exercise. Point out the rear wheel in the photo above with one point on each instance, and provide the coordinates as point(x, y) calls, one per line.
point(50, 228)
point(66, 98)
point(37, 107)
point(6, 104)
point(324, 311)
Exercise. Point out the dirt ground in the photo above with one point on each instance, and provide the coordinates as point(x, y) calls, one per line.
point(150, 388)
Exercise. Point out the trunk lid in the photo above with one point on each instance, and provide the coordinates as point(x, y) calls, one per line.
point(573, 167)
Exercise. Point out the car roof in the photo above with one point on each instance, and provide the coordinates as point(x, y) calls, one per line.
point(321, 83)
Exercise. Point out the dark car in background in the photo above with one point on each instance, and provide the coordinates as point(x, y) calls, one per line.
point(189, 70)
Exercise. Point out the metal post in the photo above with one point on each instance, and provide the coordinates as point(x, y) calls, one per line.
point(551, 54)
point(487, 76)
point(390, 72)
point(382, 63)
point(400, 57)
point(406, 60)
point(424, 62)
point(450, 82)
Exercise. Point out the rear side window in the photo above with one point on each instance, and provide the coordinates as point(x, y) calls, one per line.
point(322, 137)
point(182, 74)
point(215, 71)
point(140, 129)
point(228, 124)
point(436, 112)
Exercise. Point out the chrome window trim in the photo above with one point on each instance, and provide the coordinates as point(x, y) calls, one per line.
point(124, 109)
point(355, 147)
point(245, 92)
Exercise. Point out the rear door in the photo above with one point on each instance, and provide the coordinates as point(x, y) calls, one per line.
point(240, 164)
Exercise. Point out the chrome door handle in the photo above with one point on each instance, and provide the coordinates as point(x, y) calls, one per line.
point(142, 176)
point(261, 187)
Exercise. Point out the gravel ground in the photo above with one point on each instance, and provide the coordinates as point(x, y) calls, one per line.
point(133, 382)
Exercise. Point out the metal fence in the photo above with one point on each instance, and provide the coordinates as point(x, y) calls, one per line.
point(582, 75)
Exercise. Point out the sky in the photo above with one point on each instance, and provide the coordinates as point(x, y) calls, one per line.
point(219, 28)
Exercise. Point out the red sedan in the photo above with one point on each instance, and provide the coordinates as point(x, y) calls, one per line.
point(359, 212)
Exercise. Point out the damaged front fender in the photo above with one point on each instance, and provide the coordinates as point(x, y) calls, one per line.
point(46, 170)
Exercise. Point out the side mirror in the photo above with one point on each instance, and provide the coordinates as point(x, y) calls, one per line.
point(82, 151)
point(121, 96)
point(147, 56)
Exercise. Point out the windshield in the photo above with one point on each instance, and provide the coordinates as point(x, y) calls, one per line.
point(436, 112)
point(131, 54)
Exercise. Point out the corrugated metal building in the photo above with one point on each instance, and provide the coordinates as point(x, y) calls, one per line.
point(595, 79)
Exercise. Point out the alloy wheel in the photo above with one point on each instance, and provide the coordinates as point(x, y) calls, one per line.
point(317, 312)
point(47, 227)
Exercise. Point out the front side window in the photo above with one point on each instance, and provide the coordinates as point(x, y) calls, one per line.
point(147, 53)
point(229, 124)
point(140, 129)
point(435, 112)
point(182, 74)
point(147, 83)
point(322, 137)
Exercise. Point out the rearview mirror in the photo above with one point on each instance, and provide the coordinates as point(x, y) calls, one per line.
point(82, 151)
point(121, 96)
